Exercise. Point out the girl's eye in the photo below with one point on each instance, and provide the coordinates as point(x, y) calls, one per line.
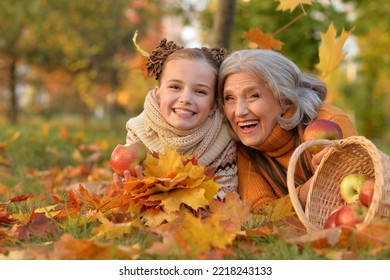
point(201, 91)
point(174, 87)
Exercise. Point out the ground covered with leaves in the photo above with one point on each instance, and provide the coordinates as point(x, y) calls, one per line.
point(58, 201)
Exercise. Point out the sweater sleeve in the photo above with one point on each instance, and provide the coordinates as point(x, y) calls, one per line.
point(226, 170)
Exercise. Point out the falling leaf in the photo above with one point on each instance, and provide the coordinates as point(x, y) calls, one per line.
point(143, 57)
point(138, 47)
point(285, 5)
point(331, 50)
point(264, 41)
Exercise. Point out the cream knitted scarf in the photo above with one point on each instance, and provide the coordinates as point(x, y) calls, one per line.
point(207, 141)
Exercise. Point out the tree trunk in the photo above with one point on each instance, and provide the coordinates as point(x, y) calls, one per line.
point(223, 23)
point(13, 109)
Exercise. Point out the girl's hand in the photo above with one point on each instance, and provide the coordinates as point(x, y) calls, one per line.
point(118, 180)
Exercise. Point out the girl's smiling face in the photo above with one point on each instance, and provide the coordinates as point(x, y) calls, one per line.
point(186, 93)
point(250, 107)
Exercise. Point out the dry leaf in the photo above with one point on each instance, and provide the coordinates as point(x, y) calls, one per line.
point(331, 50)
point(285, 5)
point(264, 41)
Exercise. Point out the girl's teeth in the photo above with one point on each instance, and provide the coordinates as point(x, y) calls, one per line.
point(183, 112)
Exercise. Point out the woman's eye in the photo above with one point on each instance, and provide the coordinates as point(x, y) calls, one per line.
point(254, 95)
point(228, 98)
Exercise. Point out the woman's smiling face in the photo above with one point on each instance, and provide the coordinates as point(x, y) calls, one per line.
point(250, 107)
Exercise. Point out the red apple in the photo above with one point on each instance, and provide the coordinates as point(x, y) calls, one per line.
point(127, 157)
point(331, 220)
point(367, 191)
point(351, 214)
point(321, 129)
point(350, 187)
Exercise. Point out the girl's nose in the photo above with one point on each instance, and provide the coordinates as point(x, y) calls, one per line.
point(186, 96)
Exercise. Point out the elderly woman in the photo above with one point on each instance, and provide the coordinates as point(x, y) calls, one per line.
point(268, 102)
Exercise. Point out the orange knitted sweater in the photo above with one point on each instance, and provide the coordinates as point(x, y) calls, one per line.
point(280, 145)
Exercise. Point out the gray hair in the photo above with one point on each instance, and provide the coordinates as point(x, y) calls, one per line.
point(291, 87)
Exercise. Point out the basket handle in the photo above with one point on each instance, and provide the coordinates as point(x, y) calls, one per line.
point(290, 178)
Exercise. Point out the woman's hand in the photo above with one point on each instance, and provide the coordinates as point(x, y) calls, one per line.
point(118, 180)
point(316, 160)
point(304, 189)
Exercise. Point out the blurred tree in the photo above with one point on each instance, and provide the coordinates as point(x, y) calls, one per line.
point(13, 19)
point(90, 41)
point(373, 81)
point(300, 40)
point(223, 23)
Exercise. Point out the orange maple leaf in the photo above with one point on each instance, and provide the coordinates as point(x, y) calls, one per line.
point(170, 181)
point(263, 41)
point(331, 50)
point(292, 4)
point(69, 248)
point(232, 212)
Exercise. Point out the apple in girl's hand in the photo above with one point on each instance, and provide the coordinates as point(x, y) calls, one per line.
point(367, 191)
point(127, 157)
point(351, 214)
point(350, 187)
point(321, 129)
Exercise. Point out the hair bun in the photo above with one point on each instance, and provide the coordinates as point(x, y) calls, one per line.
point(158, 56)
point(218, 54)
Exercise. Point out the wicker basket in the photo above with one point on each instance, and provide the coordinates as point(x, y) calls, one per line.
point(355, 154)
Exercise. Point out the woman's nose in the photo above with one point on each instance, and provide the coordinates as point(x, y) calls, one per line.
point(241, 108)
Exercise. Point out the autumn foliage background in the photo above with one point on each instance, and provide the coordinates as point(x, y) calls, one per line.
point(68, 83)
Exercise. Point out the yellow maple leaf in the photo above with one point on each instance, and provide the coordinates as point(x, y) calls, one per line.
point(285, 5)
point(264, 41)
point(204, 235)
point(331, 50)
point(172, 201)
point(166, 166)
point(171, 182)
point(280, 208)
point(108, 229)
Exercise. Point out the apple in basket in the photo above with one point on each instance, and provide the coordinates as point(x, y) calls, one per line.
point(351, 214)
point(127, 157)
point(321, 129)
point(350, 187)
point(331, 220)
point(367, 191)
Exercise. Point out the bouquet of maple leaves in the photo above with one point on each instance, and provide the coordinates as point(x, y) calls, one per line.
point(172, 184)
